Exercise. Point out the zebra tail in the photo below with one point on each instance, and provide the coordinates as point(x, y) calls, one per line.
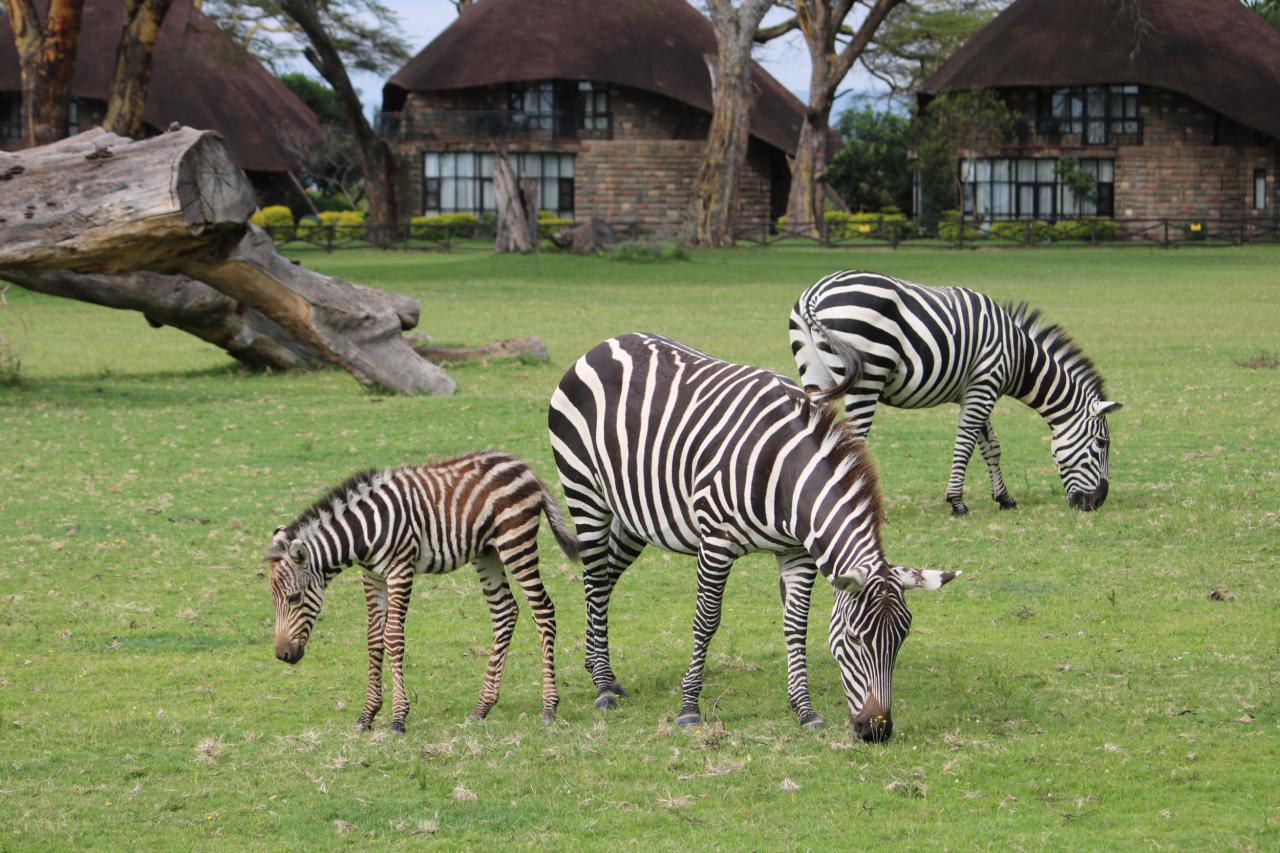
point(565, 538)
point(849, 356)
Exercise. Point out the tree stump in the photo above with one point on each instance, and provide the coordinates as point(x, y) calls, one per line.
point(587, 237)
point(106, 205)
point(517, 203)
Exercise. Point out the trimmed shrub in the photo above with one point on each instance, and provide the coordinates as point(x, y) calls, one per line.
point(349, 225)
point(1085, 229)
point(949, 227)
point(274, 216)
point(1016, 231)
point(435, 227)
point(548, 225)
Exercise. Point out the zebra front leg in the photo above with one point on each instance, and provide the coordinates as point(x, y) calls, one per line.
point(503, 614)
point(525, 571)
point(714, 562)
point(795, 583)
point(990, 447)
point(375, 599)
point(399, 591)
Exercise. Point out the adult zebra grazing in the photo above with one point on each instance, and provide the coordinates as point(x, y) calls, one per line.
point(920, 346)
point(395, 523)
point(657, 443)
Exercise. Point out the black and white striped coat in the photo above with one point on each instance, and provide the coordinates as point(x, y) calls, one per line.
point(658, 443)
point(394, 523)
point(920, 346)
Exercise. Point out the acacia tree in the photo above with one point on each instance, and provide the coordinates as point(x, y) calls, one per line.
point(822, 22)
point(333, 35)
point(716, 190)
point(132, 77)
point(47, 57)
point(919, 37)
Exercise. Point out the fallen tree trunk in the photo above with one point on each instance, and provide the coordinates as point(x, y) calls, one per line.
point(532, 349)
point(183, 303)
point(98, 203)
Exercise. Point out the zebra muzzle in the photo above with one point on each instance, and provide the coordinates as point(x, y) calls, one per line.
point(289, 652)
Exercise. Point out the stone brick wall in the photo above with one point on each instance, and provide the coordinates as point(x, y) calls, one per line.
point(643, 175)
point(1193, 164)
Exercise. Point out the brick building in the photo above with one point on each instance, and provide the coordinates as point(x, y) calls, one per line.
point(1173, 104)
point(606, 103)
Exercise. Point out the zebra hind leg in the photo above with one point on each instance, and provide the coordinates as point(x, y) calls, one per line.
point(991, 454)
point(520, 556)
point(503, 613)
point(621, 551)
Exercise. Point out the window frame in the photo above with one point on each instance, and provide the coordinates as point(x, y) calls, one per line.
point(1095, 114)
point(1259, 189)
point(471, 180)
point(1029, 188)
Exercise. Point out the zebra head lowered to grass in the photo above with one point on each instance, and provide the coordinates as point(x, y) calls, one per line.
point(880, 339)
point(657, 443)
point(481, 508)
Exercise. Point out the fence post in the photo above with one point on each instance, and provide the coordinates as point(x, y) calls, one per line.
point(1166, 233)
point(328, 237)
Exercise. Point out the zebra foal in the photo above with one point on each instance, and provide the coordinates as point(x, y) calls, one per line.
point(918, 346)
point(657, 443)
point(428, 519)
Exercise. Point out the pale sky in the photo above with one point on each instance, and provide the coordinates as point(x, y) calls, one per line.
point(786, 58)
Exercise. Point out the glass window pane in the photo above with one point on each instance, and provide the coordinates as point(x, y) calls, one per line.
point(1044, 171)
point(1106, 171)
point(432, 167)
point(1067, 202)
point(447, 193)
point(550, 196)
point(489, 201)
point(1097, 132)
point(531, 166)
point(984, 170)
point(466, 164)
point(966, 170)
point(550, 166)
point(566, 165)
point(1046, 201)
point(486, 165)
point(1026, 170)
point(1002, 200)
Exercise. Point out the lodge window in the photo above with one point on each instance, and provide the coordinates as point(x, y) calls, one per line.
point(1098, 115)
point(1259, 189)
point(10, 115)
point(595, 105)
point(1024, 188)
point(459, 181)
point(536, 102)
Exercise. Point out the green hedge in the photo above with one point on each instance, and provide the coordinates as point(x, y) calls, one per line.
point(1086, 229)
point(1016, 231)
point(274, 216)
point(949, 227)
point(864, 226)
point(346, 225)
point(435, 227)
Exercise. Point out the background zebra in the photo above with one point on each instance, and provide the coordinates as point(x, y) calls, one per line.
point(482, 508)
point(659, 443)
point(921, 346)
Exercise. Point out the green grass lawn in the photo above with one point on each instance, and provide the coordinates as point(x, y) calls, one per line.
point(1076, 688)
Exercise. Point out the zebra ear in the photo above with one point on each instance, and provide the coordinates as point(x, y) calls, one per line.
point(277, 538)
point(298, 553)
point(850, 581)
point(1104, 407)
point(922, 578)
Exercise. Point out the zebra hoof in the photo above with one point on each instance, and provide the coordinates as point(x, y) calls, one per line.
point(477, 715)
point(619, 691)
point(606, 702)
point(691, 719)
point(959, 510)
point(548, 717)
point(814, 723)
point(364, 724)
point(1007, 502)
point(397, 727)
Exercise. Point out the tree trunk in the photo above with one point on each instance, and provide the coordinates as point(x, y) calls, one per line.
point(716, 190)
point(517, 208)
point(47, 58)
point(821, 21)
point(183, 303)
point(100, 203)
point(132, 78)
point(376, 156)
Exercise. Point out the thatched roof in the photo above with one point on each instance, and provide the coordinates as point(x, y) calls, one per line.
point(200, 78)
point(654, 45)
point(1216, 51)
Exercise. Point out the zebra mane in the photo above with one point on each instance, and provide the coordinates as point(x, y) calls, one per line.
point(846, 451)
point(1057, 344)
point(339, 494)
